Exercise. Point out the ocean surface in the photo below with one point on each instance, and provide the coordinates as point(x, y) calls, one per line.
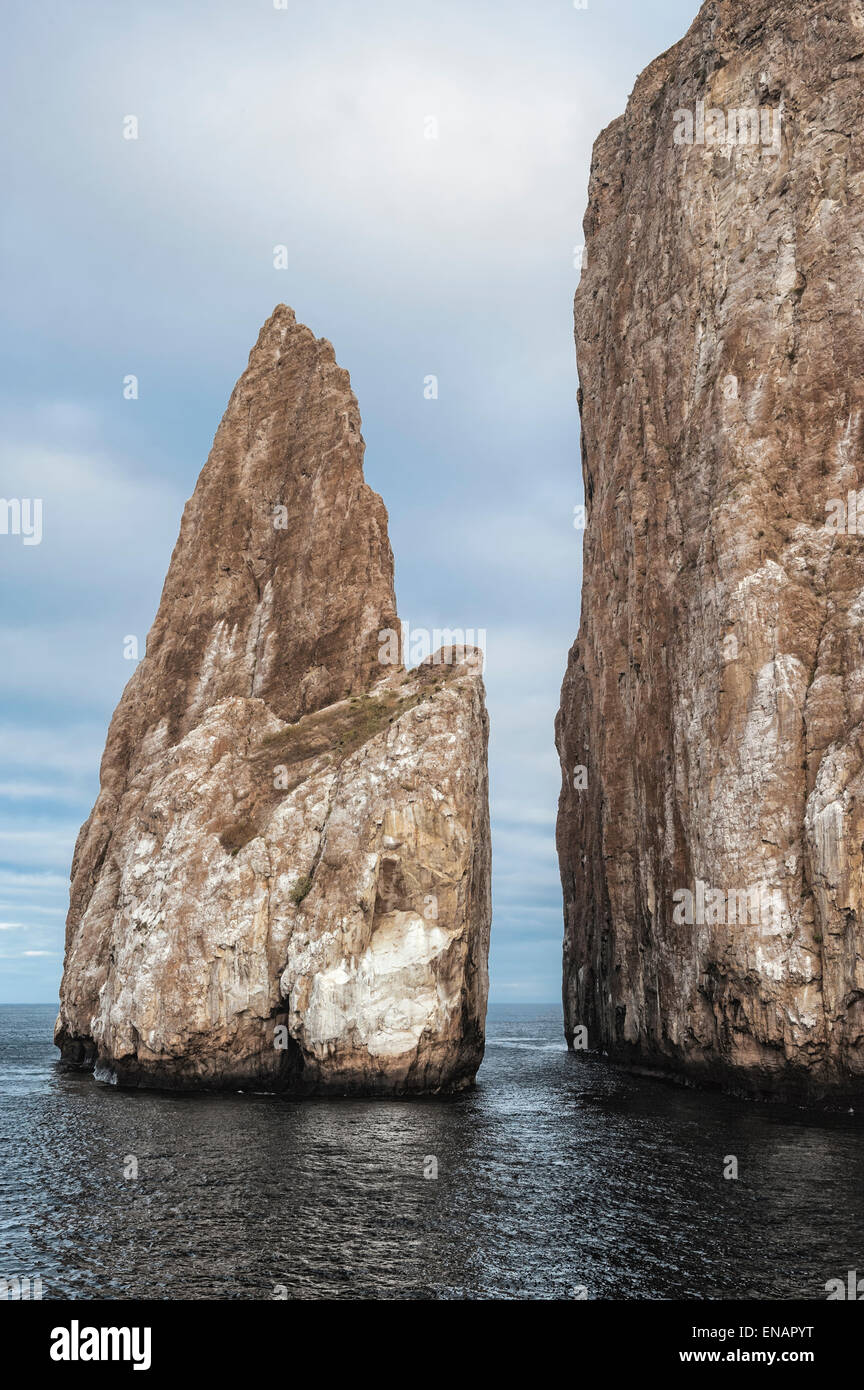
point(557, 1174)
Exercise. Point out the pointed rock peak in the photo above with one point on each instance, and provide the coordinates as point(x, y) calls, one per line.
point(282, 577)
point(282, 335)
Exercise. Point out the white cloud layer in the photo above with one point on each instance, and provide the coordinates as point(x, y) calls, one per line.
point(451, 255)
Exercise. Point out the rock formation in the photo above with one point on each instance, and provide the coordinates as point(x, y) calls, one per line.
point(284, 883)
point(713, 865)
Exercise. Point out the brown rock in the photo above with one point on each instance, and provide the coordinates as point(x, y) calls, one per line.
point(714, 694)
point(285, 879)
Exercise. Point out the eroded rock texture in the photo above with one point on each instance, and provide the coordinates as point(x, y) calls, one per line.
point(284, 882)
point(715, 693)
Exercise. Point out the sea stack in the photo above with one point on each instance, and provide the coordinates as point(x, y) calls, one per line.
point(285, 881)
point(711, 730)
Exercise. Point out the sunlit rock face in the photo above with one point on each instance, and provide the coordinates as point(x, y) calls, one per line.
point(284, 882)
point(711, 731)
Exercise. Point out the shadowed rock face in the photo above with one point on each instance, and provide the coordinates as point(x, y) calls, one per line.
point(714, 695)
point(285, 879)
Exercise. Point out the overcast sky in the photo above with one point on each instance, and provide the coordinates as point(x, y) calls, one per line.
point(305, 127)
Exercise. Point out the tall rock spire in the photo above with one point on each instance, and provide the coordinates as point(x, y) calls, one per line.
point(265, 774)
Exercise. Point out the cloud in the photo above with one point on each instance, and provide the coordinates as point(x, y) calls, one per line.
point(38, 791)
point(453, 256)
point(37, 848)
point(16, 881)
point(103, 528)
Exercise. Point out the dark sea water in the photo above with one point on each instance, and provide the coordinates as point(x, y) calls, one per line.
point(557, 1173)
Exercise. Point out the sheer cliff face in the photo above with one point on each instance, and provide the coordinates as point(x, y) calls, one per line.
point(713, 865)
point(285, 879)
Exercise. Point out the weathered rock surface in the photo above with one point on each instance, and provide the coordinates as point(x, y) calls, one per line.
point(284, 882)
point(715, 693)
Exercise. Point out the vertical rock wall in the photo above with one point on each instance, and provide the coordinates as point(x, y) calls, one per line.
point(713, 865)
